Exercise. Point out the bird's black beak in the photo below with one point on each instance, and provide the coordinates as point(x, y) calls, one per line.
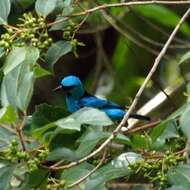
point(57, 88)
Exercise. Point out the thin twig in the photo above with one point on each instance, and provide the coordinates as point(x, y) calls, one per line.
point(21, 137)
point(90, 173)
point(135, 101)
point(127, 35)
point(79, 25)
point(157, 28)
point(141, 128)
point(124, 4)
point(19, 130)
point(147, 39)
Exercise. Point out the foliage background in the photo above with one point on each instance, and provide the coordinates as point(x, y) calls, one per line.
point(111, 50)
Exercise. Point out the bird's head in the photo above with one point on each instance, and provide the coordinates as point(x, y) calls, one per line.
point(72, 86)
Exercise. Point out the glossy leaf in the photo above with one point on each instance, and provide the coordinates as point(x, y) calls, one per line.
point(73, 174)
point(45, 7)
point(15, 57)
point(60, 25)
point(34, 180)
point(67, 8)
point(5, 138)
point(22, 4)
point(88, 116)
point(45, 114)
point(180, 176)
point(5, 6)
point(92, 116)
point(19, 55)
point(25, 91)
point(6, 173)
point(8, 115)
point(164, 130)
point(105, 174)
point(40, 72)
point(90, 140)
point(17, 84)
point(56, 51)
point(62, 153)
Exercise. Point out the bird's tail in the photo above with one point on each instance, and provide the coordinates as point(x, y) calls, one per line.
point(141, 117)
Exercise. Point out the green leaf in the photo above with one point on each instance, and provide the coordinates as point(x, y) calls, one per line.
point(105, 174)
point(60, 25)
point(61, 153)
point(179, 111)
point(68, 123)
point(40, 72)
point(68, 9)
point(72, 174)
point(164, 130)
point(34, 179)
point(5, 7)
point(139, 141)
point(184, 122)
point(39, 132)
point(7, 115)
point(18, 55)
point(15, 57)
point(158, 12)
point(180, 176)
point(184, 58)
point(73, 122)
point(5, 138)
point(25, 91)
point(17, 87)
point(45, 114)
point(56, 51)
point(6, 173)
point(22, 5)
point(45, 7)
point(92, 137)
point(91, 116)
point(88, 116)
point(17, 84)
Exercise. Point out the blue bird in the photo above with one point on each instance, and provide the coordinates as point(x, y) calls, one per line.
point(77, 97)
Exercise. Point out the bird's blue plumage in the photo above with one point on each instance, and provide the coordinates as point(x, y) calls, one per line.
point(77, 97)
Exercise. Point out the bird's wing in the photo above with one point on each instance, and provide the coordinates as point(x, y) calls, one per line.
point(93, 101)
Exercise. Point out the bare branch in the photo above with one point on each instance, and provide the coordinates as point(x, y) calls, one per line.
point(124, 4)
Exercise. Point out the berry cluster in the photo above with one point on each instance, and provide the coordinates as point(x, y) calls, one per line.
point(55, 184)
point(156, 170)
point(30, 31)
point(34, 163)
point(14, 153)
point(68, 33)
